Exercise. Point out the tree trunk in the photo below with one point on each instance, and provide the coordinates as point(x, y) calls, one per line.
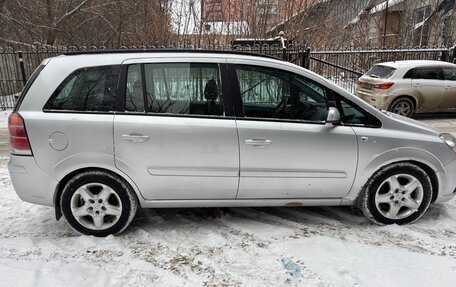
point(120, 26)
point(50, 34)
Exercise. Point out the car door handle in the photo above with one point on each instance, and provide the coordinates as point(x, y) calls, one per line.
point(448, 87)
point(417, 85)
point(135, 138)
point(258, 142)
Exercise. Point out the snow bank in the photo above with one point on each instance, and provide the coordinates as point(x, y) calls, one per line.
point(4, 118)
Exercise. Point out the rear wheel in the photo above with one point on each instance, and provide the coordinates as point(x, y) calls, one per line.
point(397, 194)
point(403, 106)
point(98, 203)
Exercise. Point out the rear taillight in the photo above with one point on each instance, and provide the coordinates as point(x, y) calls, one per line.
point(384, 86)
point(18, 136)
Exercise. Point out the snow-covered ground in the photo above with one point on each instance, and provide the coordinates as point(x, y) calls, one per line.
point(224, 247)
point(4, 118)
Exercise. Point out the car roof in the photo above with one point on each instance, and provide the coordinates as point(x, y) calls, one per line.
point(117, 57)
point(154, 53)
point(416, 63)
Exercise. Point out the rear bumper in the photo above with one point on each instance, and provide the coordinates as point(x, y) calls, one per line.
point(447, 188)
point(30, 182)
point(378, 100)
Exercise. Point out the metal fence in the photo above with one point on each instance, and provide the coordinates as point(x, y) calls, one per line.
point(16, 66)
point(342, 67)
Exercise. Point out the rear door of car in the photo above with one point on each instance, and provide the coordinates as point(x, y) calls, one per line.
point(286, 149)
point(172, 136)
point(449, 89)
point(427, 82)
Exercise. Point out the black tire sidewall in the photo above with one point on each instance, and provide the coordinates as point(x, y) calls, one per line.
point(414, 171)
point(114, 184)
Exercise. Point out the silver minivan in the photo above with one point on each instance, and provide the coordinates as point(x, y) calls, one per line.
point(97, 135)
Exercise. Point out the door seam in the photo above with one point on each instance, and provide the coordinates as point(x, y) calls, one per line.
point(239, 158)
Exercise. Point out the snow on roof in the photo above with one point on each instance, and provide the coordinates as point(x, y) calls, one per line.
point(186, 20)
point(229, 28)
point(382, 6)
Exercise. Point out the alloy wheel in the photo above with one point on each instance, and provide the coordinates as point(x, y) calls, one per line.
point(399, 196)
point(96, 206)
point(403, 109)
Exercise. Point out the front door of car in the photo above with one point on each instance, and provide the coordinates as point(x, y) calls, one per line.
point(286, 149)
point(427, 83)
point(449, 89)
point(173, 140)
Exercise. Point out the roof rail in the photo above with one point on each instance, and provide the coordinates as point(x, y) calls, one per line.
point(126, 51)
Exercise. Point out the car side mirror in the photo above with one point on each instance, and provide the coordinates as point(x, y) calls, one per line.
point(333, 116)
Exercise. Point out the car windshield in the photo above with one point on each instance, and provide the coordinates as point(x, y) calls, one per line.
point(382, 72)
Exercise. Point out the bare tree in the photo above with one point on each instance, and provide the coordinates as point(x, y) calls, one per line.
point(82, 22)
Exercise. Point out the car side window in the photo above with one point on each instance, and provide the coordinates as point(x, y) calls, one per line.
point(91, 89)
point(427, 73)
point(182, 88)
point(449, 74)
point(277, 94)
point(174, 88)
point(351, 114)
point(409, 74)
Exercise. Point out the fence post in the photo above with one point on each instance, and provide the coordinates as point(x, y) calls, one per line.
point(444, 56)
point(452, 54)
point(21, 65)
point(284, 48)
point(305, 60)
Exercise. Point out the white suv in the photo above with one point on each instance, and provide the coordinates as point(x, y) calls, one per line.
point(407, 87)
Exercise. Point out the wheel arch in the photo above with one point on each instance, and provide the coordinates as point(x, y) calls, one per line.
point(69, 176)
point(425, 160)
point(426, 167)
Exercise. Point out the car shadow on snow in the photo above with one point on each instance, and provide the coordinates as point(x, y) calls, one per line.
point(342, 216)
point(272, 215)
point(434, 116)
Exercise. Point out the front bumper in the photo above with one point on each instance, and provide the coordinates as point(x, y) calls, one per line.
point(447, 188)
point(30, 182)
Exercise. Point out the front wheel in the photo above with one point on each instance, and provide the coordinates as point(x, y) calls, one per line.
point(397, 194)
point(98, 203)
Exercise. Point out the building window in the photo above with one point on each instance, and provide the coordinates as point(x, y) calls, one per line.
point(421, 34)
point(213, 10)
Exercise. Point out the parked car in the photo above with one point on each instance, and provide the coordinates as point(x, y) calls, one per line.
point(408, 87)
point(97, 135)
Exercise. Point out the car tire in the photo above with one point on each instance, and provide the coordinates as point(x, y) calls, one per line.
point(98, 203)
point(396, 194)
point(403, 106)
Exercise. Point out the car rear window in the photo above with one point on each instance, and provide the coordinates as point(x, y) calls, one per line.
point(381, 72)
point(91, 89)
